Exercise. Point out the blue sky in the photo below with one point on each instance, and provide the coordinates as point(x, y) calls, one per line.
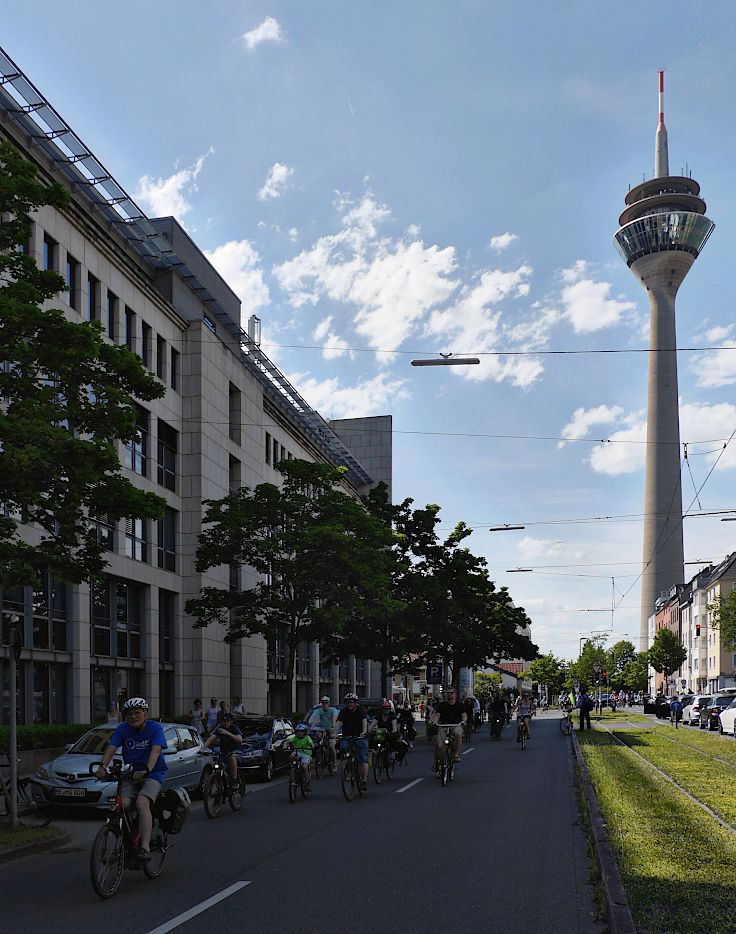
point(385, 180)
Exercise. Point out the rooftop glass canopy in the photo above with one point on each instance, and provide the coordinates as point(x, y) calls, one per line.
point(674, 230)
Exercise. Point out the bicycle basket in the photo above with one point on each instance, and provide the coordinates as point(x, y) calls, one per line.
point(172, 807)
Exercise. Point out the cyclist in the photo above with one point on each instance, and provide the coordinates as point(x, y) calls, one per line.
point(143, 741)
point(450, 713)
point(497, 710)
point(230, 738)
point(302, 745)
point(524, 708)
point(406, 722)
point(354, 721)
point(386, 721)
point(325, 718)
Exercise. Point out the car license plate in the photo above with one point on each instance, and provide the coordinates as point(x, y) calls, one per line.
point(69, 792)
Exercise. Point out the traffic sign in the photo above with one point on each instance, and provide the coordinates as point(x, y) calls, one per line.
point(434, 673)
point(597, 669)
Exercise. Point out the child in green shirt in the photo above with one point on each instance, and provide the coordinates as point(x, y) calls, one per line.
point(302, 744)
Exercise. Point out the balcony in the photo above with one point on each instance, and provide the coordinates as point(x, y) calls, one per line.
point(655, 233)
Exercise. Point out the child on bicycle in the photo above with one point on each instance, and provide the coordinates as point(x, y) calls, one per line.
point(302, 745)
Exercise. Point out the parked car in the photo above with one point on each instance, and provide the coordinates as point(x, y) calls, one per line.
point(662, 707)
point(66, 780)
point(691, 713)
point(727, 719)
point(264, 750)
point(710, 714)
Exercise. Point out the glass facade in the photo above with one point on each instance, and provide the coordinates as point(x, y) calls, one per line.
point(674, 230)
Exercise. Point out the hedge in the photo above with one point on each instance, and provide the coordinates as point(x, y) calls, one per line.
point(44, 736)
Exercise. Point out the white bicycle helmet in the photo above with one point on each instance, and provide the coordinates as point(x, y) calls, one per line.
point(135, 703)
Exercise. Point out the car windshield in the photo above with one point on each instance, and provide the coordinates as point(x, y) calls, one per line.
point(722, 701)
point(93, 743)
point(255, 729)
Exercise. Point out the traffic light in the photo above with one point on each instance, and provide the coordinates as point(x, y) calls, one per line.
point(605, 676)
point(697, 630)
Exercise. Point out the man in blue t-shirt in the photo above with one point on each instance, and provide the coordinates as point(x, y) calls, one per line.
point(143, 741)
point(325, 718)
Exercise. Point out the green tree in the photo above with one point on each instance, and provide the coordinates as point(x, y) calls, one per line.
point(316, 551)
point(666, 653)
point(724, 618)
point(634, 676)
point(593, 653)
point(484, 682)
point(67, 399)
point(548, 670)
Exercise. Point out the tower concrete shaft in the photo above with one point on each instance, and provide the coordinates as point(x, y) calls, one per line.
point(663, 229)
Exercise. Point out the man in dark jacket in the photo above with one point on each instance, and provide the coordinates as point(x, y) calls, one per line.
point(585, 705)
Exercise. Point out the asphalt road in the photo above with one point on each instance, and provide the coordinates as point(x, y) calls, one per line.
point(501, 849)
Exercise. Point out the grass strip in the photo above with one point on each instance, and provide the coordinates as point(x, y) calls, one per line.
point(710, 781)
point(12, 838)
point(712, 743)
point(608, 716)
point(676, 863)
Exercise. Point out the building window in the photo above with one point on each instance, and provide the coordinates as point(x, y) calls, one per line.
point(130, 329)
point(160, 357)
point(112, 316)
point(268, 448)
point(275, 452)
point(174, 368)
point(136, 450)
point(72, 281)
point(233, 474)
point(166, 625)
point(234, 413)
point(49, 600)
point(209, 323)
point(128, 616)
point(167, 540)
point(50, 253)
point(100, 618)
point(93, 294)
point(168, 439)
point(146, 344)
point(136, 539)
point(104, 531)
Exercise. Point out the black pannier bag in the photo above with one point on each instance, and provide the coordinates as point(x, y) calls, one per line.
point(172, 807)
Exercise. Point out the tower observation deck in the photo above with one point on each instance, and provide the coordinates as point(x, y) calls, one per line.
point(662, 231)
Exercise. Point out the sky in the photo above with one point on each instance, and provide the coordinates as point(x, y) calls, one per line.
point(389, 180)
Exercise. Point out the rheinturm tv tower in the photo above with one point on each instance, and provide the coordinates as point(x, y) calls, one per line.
point(662, 232)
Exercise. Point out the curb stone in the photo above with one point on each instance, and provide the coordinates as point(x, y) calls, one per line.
point(29, 849)
point(617, 904)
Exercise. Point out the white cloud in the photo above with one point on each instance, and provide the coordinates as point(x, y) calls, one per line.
point(168, 196)
point(334, 346)
point(369, 397)
point(583, 419)
point(268, 31)
point(715, 368)
point(703, 427)
point(239, 265)
point(502, 241)
point(535, 549)
point(277, 181)
point(587, 303)
point(390, 284)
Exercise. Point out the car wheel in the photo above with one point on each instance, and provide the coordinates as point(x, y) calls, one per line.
point(204, 778)
point(268, 770)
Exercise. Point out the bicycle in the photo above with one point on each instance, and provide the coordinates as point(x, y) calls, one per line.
point(566, 723)
point(384, 761)
point(523, 731)
point(446, 754)
point(219, 786)
point(350, 773)
point(321, 753)
point(115, 847)
point(297, 782)
point(31, 812)
point(497, 723)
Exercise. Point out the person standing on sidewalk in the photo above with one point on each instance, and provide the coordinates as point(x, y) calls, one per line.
point(585, 705)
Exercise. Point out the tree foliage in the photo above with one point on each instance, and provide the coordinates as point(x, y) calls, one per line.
point(317, 551)
point(724, 618)
point(666, 652)
point(67, 399)
point(548, 670)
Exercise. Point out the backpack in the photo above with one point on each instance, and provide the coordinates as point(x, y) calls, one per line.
point(589, 704)
point(172, 807)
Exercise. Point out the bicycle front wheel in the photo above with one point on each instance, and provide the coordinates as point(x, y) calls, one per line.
point(523, 739)
point(213, 795)
point(347, 777)
point(378, 766)
point(107, 861)
point(159, 851)
point(30, 812)
point(236, 794)
point(390, 766)
point(566, 726)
